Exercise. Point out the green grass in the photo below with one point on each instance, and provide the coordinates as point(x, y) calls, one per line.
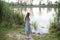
point(5, 28)
point(47, 37)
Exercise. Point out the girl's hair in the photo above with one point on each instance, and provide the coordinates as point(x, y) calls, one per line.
point(28, 14)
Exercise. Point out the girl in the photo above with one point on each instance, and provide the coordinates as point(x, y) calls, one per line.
point(27, 25)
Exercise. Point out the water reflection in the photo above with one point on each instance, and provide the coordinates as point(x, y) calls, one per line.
point(42, 16)
point(42, 20)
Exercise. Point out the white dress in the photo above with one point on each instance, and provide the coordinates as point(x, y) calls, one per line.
point(27, 28)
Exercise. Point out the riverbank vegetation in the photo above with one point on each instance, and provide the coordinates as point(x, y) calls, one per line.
point(54, 28)
point(10, 21)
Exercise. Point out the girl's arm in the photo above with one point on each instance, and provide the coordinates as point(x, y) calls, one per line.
point(29, 21)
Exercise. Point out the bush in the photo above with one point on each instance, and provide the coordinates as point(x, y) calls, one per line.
point(6, 14)
point(55, 26)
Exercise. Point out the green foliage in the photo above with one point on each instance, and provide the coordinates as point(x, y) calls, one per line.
point(9, 20)
point(8, 15)
point(34, 24)
point(55, 26)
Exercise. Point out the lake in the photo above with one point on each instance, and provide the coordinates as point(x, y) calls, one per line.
point(43, 17)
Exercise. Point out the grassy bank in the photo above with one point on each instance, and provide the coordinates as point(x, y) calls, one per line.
point(9, 21)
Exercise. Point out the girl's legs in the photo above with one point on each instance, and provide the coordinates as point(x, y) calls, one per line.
point(29, 36)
